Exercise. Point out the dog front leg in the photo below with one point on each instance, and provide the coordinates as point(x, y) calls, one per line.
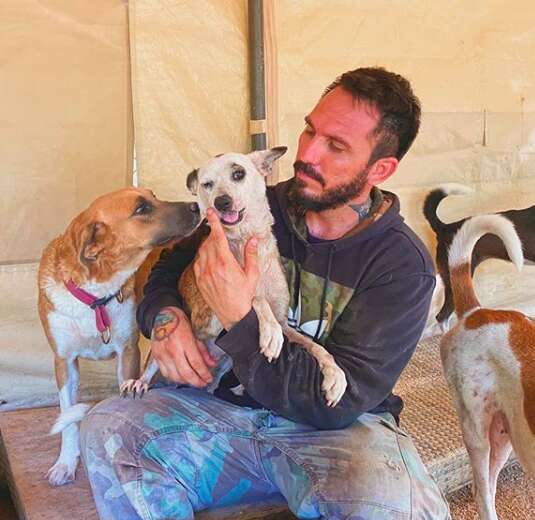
point(128, 360)
point(334, 378)
point(137, 387)
point(68, 381)
point(271, 338)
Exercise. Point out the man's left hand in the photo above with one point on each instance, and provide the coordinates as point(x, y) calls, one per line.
point(226, 286)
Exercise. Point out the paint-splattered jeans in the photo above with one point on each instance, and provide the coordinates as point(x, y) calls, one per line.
point(178, 451)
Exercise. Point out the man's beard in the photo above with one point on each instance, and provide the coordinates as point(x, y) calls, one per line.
point(332, 198)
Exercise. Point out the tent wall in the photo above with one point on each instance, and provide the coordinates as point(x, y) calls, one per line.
point(190, 87)
point(66, 125)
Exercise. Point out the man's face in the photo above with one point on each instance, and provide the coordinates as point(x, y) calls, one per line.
point(331, 165)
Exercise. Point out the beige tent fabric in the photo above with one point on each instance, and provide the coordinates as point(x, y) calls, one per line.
point(190, 77)
point(66, 125)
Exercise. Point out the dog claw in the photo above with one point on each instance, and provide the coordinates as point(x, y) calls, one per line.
point(62, 473)
point(134, 387)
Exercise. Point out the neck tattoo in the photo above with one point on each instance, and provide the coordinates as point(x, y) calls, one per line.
point(362, 210)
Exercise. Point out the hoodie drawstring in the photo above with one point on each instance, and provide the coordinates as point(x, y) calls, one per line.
point(297, 280)
point(324, 292)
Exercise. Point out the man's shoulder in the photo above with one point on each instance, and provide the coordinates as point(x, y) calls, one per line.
point(405, 244)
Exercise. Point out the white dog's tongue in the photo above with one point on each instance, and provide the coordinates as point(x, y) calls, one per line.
point(230, 217)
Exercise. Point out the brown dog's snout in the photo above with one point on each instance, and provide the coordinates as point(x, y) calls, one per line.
point(194, 207)
point(223, 203)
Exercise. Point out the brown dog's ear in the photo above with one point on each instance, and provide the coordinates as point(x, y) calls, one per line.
point(264, 159)
point(192, 181)
point(92, 242)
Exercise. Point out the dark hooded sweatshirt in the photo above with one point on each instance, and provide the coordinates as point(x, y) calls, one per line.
point(364, 297)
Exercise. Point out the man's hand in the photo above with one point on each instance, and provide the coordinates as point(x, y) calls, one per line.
point(181, 357)
point(226, 287)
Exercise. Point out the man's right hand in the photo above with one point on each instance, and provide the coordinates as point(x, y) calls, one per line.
point(181, 357)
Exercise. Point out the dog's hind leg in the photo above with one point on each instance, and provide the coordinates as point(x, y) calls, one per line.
point(68, 380)
point(475, 427)
point(444, 315)
point(500, 448)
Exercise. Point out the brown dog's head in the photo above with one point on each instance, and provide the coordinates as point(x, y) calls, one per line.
point(119, 229)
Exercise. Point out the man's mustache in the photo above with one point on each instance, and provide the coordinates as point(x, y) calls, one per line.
point(309, 171)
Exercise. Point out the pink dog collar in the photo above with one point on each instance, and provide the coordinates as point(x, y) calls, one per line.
point(102, 318)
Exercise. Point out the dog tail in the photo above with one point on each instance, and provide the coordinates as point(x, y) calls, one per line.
point(71, 415)
point(460, 256)
point(434, 198)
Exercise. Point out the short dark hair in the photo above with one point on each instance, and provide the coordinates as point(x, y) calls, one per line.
point(392, 95)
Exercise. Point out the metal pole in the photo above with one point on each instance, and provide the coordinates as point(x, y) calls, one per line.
point(256, 75)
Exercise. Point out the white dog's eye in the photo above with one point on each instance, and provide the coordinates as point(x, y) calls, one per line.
point(207, 185)
point(238, 175)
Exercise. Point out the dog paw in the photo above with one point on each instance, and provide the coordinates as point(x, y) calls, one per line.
point(271, 340)
point(133, 387)
point(61, 473)
point(334, 383)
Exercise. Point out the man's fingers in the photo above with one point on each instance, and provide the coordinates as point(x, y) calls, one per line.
point(167, 366)
point(208, 359)
point(186, 372)
point(196, 361)
point(216, 228)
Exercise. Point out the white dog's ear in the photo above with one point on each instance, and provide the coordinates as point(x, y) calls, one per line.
point(264, 159)
point(192, 181)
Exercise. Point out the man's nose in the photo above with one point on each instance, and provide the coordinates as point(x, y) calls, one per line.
point(311, 151)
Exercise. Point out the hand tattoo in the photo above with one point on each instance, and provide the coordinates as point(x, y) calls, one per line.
point(164, 324)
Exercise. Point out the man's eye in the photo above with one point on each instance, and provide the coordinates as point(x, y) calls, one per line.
point(336, 147)
point(238, 175)
point(308, 129)
point(207, 185)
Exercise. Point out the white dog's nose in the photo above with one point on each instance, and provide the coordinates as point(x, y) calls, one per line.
point(223, 203)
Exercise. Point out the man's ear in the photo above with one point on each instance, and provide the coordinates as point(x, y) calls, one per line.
point(264, 159)
point(92, 242)
point(381, 170)
point(192, 181)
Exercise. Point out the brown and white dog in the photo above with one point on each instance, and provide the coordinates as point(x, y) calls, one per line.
point(488, 247)
point(489, 363)
point(234, 184)
point(95, 259)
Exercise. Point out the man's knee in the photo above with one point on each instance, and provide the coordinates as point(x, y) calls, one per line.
point(109, 424)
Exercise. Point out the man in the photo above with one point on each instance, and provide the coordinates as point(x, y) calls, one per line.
point(361, 284)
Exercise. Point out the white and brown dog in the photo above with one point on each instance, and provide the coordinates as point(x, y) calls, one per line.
point(489, 363)
point(234, 184)
point(86, 292)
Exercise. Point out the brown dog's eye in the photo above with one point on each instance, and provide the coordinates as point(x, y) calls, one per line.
point(238, 175)
point(143, 208)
